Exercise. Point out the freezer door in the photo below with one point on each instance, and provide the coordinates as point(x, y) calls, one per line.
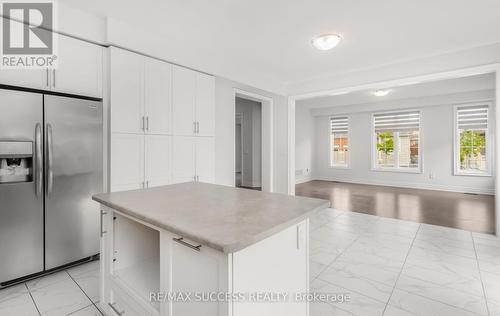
point(73, 160)
point(21, 208)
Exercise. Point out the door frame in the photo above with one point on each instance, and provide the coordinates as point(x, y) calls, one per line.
point(267, 110)
point(464, 72)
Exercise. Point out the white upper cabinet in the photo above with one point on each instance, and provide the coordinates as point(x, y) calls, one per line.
point(158, 160)
point(127, 162)
point(183, 101)
point(127, 98)
point(205, 104)
point(158, 96)
point(205, 159)
point(79, 69)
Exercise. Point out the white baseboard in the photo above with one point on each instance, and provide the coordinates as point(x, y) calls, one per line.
point(410, 185)
point(299, 180)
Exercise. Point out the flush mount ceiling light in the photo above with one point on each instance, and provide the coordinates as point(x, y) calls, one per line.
point(326, 41)
point(381, 93)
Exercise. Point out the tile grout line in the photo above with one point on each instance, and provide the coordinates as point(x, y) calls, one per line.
point(480, 275)
point(34, 303)
point(402, 268)
point(92, 302)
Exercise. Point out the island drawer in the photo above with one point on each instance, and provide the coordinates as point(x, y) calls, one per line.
point(122, 304)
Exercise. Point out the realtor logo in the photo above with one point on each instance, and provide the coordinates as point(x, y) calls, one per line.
point(27, 41)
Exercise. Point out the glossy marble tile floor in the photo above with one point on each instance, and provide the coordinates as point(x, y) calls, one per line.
point(72, 292)
point(386, 267)
point(395, 267)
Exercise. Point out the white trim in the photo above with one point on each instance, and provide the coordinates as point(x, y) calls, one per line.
point(465, 72)
point(397, 168)
point(291, 145)
point(299, 180)
point(267, 134)
point(409, 185)
point(456, 143)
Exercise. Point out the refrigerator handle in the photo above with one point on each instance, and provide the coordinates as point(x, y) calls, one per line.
point(50, 171)
point(38, 157)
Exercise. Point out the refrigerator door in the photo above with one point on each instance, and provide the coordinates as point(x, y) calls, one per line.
point(73, 160)
point(21, 203)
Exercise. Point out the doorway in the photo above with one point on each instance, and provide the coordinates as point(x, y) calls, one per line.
point(248, 144)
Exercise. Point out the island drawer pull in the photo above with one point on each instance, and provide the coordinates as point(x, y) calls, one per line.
point(181, 241)
point(112, 305)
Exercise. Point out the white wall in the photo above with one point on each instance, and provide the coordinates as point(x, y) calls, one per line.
point(436, 142)
point(251, 128)
point(304, 144)
point(225, 136)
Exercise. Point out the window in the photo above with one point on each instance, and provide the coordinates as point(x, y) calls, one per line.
point(339, 141)
point(472, 140)
point(396, 141)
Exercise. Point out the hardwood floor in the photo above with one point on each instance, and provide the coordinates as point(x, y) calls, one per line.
point(458, 210)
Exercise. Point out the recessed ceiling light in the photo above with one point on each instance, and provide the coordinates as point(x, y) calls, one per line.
point(381, 93)
point(326, 41)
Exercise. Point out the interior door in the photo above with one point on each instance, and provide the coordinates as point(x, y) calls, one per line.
point(127, 162)
point(127, 74)
point(157, 96)
point(73, 159)
point(183, 161)
point(205, 104)
point(158, 166)
point(205, 159)
point(79, 68)
point(183, 98)
point(21, 206)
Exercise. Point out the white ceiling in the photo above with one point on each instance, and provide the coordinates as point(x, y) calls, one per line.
point(417, 90)
point(272, 37)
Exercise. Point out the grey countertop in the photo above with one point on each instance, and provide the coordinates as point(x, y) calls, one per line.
point(224, 218)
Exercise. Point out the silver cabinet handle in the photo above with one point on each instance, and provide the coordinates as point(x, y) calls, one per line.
point(112, 305)
point(181, 241)
point(143, 122)
point(197, 127)
point(50, 170)
point(194, 127)
point(102, 223)
point(147, 123)
point(54, 78)
point(47, 77)
point(38, 157)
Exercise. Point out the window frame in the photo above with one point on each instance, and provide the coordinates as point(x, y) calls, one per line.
point(397, 168)
point(456, 143)
point(331, 163)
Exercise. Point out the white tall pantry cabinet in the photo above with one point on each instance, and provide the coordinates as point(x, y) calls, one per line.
point(162, 121)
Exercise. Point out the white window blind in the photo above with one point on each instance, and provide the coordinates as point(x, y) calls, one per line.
point(472, 117)
point(397, 122)
point(339, 124)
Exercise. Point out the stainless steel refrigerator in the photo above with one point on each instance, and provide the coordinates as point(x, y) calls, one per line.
point(50, 165)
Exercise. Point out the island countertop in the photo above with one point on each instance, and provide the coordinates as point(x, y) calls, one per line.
point(224, 218)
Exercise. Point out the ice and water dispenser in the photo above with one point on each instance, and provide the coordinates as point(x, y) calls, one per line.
point(16, 161)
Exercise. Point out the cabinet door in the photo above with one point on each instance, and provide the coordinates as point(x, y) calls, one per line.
point(79, 69)
point(276, 264)
point(183, 158)
point(205, 104)
point(205, 159)
point(158, 96)
point(195, 272)
point(126, 82)
point(158, 165)
point(30, 78)
point(183, 98)
point(127, 161)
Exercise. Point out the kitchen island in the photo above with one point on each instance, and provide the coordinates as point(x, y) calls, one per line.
point(203, 249)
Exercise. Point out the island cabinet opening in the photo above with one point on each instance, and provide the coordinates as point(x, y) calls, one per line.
point(134, 266)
